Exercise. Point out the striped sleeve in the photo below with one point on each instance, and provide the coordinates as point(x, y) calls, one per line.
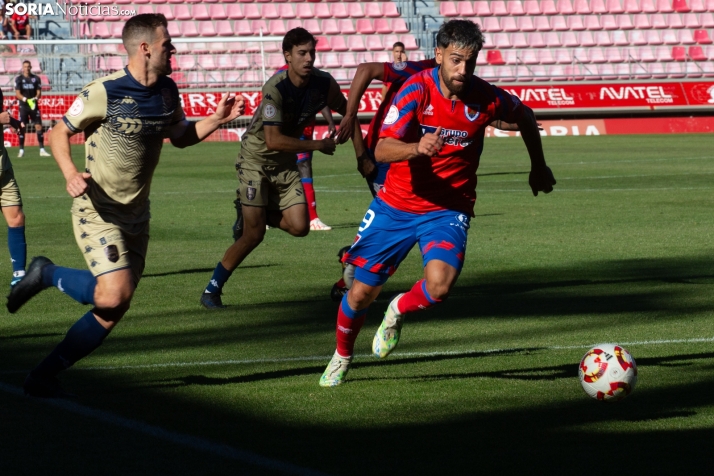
point(403, 111)
point(508, 107)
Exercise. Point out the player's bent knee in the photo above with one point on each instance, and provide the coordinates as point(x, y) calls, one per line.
point(438, 291)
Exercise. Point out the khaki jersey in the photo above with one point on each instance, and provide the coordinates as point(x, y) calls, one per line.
point(125, 124)
point(291, 108)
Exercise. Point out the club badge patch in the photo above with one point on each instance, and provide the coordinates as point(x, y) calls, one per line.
point(472, 111)
point(250, 194)
point(112, 253)
point(392, 115)
point(402, 65)
point(76, 108)
point(269, 111)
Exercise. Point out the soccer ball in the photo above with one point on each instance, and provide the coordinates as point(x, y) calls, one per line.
point(608, 372)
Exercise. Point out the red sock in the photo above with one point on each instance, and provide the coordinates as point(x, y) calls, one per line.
point(310, 197)
point(417, 299)
point(348, 328)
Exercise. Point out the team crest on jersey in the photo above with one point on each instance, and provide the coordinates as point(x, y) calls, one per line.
point(472, 111)
point(392, 115)
point(168, 100)
point(402, 65)
point(250, 193)
point(269, 111)
point(76, 108)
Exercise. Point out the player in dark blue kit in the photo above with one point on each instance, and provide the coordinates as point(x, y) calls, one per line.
point(28, 90)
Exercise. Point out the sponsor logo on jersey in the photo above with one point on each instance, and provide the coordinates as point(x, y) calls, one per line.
point(392, 115)
point(76, 108)
point(472, 111)
point(451, 136)
point(269, 111)
point(402, 65)
point(129, 125)
point(429, 111)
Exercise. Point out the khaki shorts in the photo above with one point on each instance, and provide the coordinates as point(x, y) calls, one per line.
point(9, 191)
point(107, 247)
point(275, 187)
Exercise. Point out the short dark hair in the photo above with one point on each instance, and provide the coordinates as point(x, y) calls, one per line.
point(140, 26)
point(460, 33)
point(26, 61)
point(399, 43)
point(297, 36)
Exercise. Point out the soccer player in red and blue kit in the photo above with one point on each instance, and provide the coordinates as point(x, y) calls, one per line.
point(433, 137)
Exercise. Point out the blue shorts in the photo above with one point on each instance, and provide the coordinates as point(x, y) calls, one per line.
point(386, 235)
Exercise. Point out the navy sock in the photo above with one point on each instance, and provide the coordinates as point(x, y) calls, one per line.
point(18, 247)
point(220, 276)
point(41, 139)
point(82, 338)
point(21, 137)
point(78, 284)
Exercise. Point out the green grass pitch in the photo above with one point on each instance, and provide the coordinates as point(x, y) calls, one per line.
point(485, 383)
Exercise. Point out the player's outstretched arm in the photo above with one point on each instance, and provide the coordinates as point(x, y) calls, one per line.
point(276, 140)
point(541, 177)
point(77, 182)
point(187, 133)
point(393, 150)
point(365, 74)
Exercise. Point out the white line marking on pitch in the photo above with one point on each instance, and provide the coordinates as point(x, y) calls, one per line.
point(182, 439)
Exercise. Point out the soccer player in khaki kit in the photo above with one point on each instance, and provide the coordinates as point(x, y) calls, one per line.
point(270, 189)
point(125, 117)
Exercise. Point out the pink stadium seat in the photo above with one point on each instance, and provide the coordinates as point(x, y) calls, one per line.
point(189, 29)
point(355, 10)
point(196, 79)
point(585, 38)
point(658, 21)
point(582, 7)
point(313, 26)
point(185, 62)
point(663, 53)
point(619, 38)
point(691, 20)
point(614, 6)
point(529, 57)
point(224, 61)
point(365, 57)
point(373, 10)
point(242, 28)
point(501, 40)
point(166, 10)
point(217, 12)
point(206, 28)
point(532, 7)
point(542, 24)
point(552, 39)
point(707, 20)
point(214, 79)
point(515, 8)
point(602, 38)
point(339, 10)
point(559, 24)
point(614, 55)
point(486, 72)
point(624, 22)
point(382, 26)
point(182, 12)
point(399, 26)
point(331, 60)
point(365, 27)
point(465, 9)
point(697, 53)
point(702, 37)
point(100, 30)
point(519, 40)
point(389, 10)
point(252, 11)
point(480, 61)
point(642, 22)
point(200, 12)
point(286, 11)
point(649, 6)
point(653, 37)
point(632, 6)
point(449, 9)
point(207, 62)
point(374, 43)
point(410, 42)
point(597, 55)
point(356, 43)
point(305, 10)
point(276, 28)
point(482, 8)
point(536, 40)
point(670, 37)
point(323, 44)
point(679, 53)
point(381, 57)
point(608, 22)
point(575, 23)
point(508, 24)
point(346, 26)
point(607, 71)
point(235, 12)
point(698, 6)
point(647, 54)
point(565, 7)
point(259, 26)
point(525, 24)
point(674, 21)
point(144, 9)
point(674, 70)
point(548, 7)
point(494, 57)
point(523, 74)
point(339, 44)
point(545, 57)
point(686, 37)
point(692, 70)
point(329, 27)
point(498, 7)
point(491, 25)
point(570, 39)
point(348, 60)
point(680, 6)
point(224, 28)
point(664, 6)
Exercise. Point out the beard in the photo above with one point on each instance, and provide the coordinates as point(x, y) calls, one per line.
point(451, 86)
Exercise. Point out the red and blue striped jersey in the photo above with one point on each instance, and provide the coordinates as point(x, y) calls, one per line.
point(447, 180)
point(396, 74)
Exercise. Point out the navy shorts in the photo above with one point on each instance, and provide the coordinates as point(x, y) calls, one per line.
point(386, 235)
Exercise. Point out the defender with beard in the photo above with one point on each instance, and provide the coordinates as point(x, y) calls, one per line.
point(433, 136)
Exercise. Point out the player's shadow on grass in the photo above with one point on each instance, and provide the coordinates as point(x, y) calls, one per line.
point(201, 270)
point(342, 226)
point(32, 336)
point(501, 173)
